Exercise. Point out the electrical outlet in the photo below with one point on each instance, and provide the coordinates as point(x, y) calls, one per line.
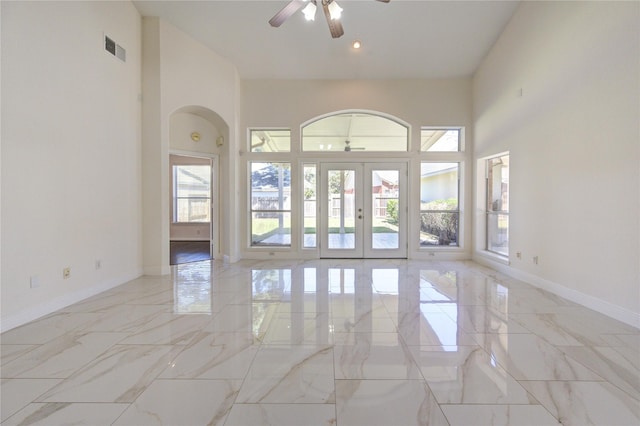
point(66, 272)
point(535, 260)
point(519, 255)
point(98, 264)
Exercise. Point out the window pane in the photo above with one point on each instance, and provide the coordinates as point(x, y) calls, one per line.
point(193, 181)
point(498, 184)
point(192, 192)
point(498, 233)
point(498, 205)
point(270, 141)
point(270, 186)
point(385, 188)
point(353, 131)
point(270, 204)
point(341, 211)
point(192, 210)
point(439, 186)
point(439, 228)
point(271, 229)
point(439, 204)
point(310, 206)
point(440, 140)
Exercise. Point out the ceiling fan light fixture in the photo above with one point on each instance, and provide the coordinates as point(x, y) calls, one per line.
point(334, 10)
point(310, 11)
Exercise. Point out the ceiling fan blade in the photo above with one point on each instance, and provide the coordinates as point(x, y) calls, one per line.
point(385, 1)
point(334, 25)
point(292, 7)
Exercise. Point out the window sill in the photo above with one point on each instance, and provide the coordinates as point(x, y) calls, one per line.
point(494, 257)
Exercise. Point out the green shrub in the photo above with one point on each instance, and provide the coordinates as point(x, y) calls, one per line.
point(392, 212)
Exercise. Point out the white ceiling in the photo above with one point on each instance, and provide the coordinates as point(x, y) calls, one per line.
point(401, 39)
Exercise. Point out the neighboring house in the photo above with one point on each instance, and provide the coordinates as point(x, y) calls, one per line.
point(384, 188)
point(438, 181)
point(385, 182)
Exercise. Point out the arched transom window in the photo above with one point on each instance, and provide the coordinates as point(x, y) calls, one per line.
point(355, 131)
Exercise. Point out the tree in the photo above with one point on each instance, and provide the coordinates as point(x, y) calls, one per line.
point(269, 176)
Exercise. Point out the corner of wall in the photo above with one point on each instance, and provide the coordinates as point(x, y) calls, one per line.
point(609, 309)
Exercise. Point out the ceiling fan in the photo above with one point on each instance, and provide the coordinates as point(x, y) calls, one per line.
point(349, 148)
point(331, 10)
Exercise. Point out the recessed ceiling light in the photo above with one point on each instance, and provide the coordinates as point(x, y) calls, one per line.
point(356, 44)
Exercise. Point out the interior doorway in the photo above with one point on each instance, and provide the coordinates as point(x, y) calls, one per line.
point(363, 213)
point(192, 209)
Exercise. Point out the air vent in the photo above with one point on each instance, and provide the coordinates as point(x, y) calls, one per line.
point(115, 49)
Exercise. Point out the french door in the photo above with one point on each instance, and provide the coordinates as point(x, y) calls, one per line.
point(363, 210)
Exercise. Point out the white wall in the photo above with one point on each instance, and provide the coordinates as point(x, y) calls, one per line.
point(194, 75)
point(290, 103)
point(560, 91)
point(70, 153)
point(1, 152)
point(183, 124)
point(181, 73)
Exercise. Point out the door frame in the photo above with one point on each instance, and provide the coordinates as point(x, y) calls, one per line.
point(363, 207)
point(215, 205)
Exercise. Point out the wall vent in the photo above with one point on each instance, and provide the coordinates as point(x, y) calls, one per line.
point(115, 49)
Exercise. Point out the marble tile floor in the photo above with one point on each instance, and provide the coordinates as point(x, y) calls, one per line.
point(323, 342)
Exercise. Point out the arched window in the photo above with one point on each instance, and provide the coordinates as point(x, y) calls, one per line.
point(355, 131)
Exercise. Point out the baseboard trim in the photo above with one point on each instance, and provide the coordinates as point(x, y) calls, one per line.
point(606, 308)
point(156, 271)
point(25, 316)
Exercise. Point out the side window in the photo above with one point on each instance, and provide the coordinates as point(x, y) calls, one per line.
point(270, 203)
point(270, 140)
point(439, 204)
point(440, 140)
point(310, 205)
point(498, 205)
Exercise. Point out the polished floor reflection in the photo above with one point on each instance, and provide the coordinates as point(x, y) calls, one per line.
point(326, 342)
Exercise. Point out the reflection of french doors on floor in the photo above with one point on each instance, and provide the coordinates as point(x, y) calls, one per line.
point(363, 213)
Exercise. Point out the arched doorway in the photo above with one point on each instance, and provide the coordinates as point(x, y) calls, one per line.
point(197, 140)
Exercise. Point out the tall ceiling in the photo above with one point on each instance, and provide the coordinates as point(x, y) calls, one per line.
point(401, 39)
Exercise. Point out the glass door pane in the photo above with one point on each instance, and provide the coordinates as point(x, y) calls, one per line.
point(357, 223)
point(310, 206)
point(385, 218)
point(341, 224)
point(341, 212)
point(385, 191)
